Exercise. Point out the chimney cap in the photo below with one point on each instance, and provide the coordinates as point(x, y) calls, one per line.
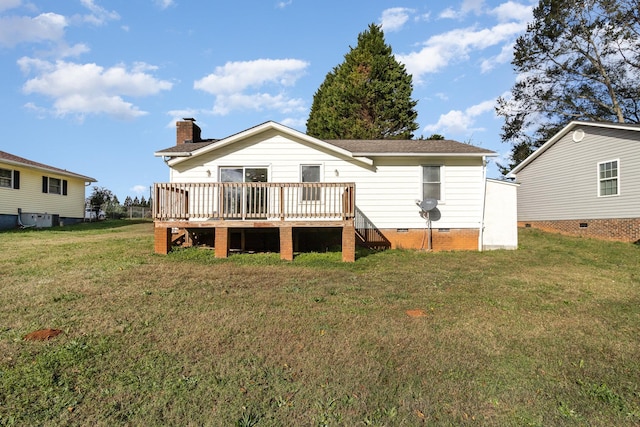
point(189, 119)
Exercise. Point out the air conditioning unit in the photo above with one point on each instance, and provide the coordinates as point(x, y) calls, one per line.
point(43, 220)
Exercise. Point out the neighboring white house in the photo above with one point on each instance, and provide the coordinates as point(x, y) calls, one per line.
point(584, 181)
point(385, 179)
point(43, 194)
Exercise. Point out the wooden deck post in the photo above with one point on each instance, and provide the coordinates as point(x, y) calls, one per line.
point(162, 240)
point(286, 243)
point(222, 242)
point(348, 243)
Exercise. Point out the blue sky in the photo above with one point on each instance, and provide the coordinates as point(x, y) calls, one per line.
point(95, 86)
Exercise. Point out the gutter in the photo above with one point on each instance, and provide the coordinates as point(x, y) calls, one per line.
point(484, 201)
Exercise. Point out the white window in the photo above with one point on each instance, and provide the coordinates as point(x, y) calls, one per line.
point(608, 178)
point(6, 176)
point(310, 173)
point(54, 185)
point(432, 182)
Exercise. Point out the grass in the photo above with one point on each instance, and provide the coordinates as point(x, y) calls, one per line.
point(546, 335)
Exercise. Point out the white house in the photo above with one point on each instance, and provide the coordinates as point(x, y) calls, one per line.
point(271, 177)
point(584, 181)
point(35, 194)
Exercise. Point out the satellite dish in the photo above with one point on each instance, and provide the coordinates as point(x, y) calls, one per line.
point(428, 204)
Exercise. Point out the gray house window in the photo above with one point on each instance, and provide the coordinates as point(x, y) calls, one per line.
point(608, 178)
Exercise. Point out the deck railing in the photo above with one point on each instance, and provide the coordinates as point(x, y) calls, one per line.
point(254, 201)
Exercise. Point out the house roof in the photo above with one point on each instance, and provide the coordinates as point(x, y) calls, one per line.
point(21, 161)
point(395, 147)
point(358, 149)
point(568, 128)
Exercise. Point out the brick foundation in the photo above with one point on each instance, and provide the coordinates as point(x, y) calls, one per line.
point(441, 239)
point(286, 243)
point(222, 242)
point(348, 244)
point(622, 229)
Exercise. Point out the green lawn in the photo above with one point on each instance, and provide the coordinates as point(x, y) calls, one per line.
point(545, 335)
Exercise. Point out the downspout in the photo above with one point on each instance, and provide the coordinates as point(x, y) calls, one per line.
point(484, 200)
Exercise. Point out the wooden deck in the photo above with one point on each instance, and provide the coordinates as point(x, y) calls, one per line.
point(225, 206)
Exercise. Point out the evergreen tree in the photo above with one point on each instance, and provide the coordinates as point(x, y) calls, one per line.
point(578, 60)
point(368, 96)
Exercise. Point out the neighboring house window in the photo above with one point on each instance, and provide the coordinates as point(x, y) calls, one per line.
point(54, 185)
point(432, 182)
point(608, 178)
point(310, 173)
point(10, 179)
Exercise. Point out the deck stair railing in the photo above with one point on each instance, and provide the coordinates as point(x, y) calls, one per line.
point(253, 201)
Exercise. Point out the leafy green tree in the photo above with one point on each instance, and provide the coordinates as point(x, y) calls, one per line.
point(578, 60)
point(99, 198)
point(368, 96)
point(436, 137)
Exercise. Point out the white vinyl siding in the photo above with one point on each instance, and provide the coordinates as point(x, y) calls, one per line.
point(385, 192)
point(561, 183)
point(608, 182)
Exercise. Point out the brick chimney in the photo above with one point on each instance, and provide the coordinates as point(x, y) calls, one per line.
point(187, 131)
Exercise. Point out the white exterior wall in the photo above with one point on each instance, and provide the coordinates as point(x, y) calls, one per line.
point(562, 183)
point(385, 193)
point(30, 198)
point(500, 219)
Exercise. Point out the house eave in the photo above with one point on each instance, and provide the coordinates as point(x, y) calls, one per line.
point(183, 156)
point(427, 154)
point(561, 134)
point(49, 170)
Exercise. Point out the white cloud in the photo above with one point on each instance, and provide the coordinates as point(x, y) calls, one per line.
point(9, 4)
point(258, 102)
point(99, 15)
point(294, 123)
point(21, 29)
point(456, 45)
point(165, 4)
point(393, 19)
point(83, 89)
point(467, 6)
point(511, 11)
point(283, 4)
point(231, 82)
point(505, 56)
point(238, 76)
point(139, 189)
point(461, 122)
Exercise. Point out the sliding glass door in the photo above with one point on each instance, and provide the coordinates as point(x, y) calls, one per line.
point(242, 202)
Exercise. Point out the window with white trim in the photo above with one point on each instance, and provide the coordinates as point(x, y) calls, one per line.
point(608, 178)
point(432, 182)
point(10, 178)
point(310, 173)
point(54, 185)
point(6, 178)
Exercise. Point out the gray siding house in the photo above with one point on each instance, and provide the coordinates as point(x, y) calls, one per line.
point(584, 181)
